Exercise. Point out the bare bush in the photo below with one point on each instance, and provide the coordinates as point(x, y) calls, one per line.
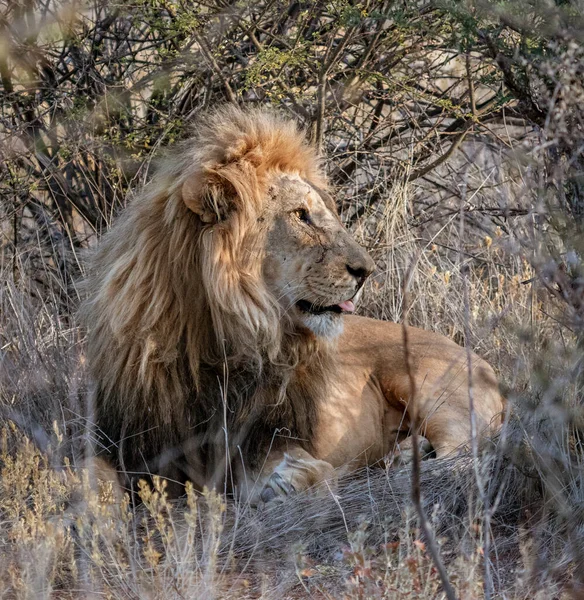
point(453, 134)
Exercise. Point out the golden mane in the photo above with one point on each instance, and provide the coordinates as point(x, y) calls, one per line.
point(176, 303)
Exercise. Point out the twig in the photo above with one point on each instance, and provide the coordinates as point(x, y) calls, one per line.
point(454, 146)
point(215, 66)
point(471, 88)
point(322, 81)
point(488, 582)
point(416, 489)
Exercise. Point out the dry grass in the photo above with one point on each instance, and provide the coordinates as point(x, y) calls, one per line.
point(458, 160)
point(61, 536)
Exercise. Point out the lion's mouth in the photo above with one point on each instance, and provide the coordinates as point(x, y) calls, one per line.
point(316, 309)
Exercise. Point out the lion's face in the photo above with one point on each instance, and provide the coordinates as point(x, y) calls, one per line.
point(312, 265)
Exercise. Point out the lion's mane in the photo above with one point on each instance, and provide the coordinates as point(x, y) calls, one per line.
point(183, 339)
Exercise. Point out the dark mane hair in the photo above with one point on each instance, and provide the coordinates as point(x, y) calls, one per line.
point(185, 344)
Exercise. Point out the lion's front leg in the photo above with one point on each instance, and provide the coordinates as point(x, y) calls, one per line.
point(287, 473)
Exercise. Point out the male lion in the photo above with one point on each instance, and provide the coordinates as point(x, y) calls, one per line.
point(220, 342)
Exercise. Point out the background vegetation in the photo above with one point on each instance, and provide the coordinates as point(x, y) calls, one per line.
point(453, 134)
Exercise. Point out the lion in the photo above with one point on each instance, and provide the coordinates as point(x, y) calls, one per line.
point(221, 343)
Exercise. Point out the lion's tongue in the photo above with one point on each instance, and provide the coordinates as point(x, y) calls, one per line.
point(347, 306)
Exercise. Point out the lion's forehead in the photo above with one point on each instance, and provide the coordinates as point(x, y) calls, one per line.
point(292, 184)
point(290, 188)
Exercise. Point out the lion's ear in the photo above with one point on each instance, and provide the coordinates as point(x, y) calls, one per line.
point(208, 195)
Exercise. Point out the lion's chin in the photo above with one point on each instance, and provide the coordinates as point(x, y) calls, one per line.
point(327, 325)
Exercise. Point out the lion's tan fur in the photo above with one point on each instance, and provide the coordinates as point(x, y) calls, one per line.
point(214, 324)
point(168, 292)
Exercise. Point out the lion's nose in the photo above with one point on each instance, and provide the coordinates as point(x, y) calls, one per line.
point(361, 267)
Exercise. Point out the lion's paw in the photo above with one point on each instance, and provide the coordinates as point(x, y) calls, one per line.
point(276, 488)
point(404, 452)
point(294, 475)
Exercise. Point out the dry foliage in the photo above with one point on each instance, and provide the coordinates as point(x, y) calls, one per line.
point(453, 132)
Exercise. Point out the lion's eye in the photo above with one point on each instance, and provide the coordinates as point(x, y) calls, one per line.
point(302, 214)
